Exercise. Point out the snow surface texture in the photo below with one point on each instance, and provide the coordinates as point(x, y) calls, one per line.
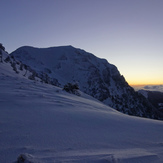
point(95, 76)
point(40, 123)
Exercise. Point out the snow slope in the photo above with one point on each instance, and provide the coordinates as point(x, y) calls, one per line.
point(49, 125)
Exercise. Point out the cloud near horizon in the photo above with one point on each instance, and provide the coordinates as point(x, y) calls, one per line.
point(154, 88)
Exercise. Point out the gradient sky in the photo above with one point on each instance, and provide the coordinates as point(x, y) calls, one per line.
point(128, 33)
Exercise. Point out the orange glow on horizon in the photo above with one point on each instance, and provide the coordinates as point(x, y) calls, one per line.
point(142, 83)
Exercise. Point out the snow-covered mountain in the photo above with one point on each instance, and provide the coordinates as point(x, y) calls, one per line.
point(95, 76)
point(41, 123)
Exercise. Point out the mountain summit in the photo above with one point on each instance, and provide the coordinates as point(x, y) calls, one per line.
point(94, 76)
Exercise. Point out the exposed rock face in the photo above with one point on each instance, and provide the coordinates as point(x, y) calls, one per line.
point(94, 76)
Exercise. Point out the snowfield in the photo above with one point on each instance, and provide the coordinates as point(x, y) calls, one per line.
point(40, 123)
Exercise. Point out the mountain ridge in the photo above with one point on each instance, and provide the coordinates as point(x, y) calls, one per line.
point(95, 76)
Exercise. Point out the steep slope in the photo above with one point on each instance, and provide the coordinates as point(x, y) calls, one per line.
point(40, 123)
point(94, 76)
point(3, 53)
point(155, 97)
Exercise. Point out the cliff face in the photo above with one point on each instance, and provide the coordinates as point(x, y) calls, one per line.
point(94, 76)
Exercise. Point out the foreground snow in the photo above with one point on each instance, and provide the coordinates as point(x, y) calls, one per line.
point(46, 124)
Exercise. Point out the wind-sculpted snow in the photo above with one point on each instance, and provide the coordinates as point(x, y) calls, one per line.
point(41, 123)
point(95, 76)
